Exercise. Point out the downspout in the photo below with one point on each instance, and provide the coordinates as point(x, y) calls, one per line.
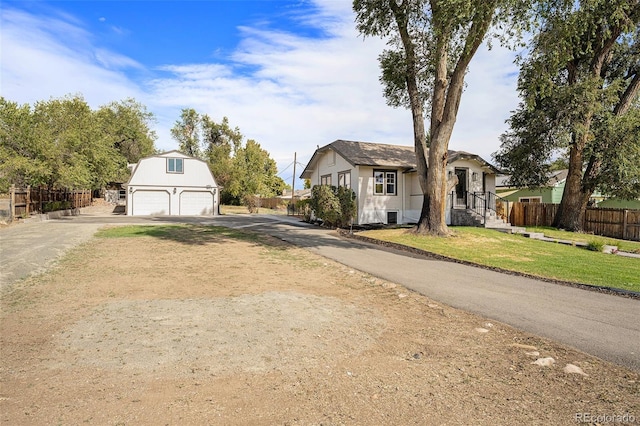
point(404, 195)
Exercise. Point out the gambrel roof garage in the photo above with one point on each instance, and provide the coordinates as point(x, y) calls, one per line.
point(172, 184)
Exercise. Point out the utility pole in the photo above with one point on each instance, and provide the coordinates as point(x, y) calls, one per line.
point(293, 186)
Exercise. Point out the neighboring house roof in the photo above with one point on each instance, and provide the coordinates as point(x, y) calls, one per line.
point(555, 178)
point(381, 155)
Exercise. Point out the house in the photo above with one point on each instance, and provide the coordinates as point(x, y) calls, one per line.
point(550, 193)
point(385, 180)
point(171, 184)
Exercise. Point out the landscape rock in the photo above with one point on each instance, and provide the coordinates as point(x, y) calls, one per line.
point(574, 369)
point(544, 362)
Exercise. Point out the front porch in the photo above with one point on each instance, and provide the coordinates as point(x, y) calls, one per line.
point(480, 209)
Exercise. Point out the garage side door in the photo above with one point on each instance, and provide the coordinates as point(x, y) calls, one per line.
point(196, 203)
point(150, 202)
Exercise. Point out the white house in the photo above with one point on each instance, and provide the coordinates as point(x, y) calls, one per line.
point(172, 184)
point(386, 185)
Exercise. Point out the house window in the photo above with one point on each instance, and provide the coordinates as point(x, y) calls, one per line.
point(384, 182)
point(325, 180)
point(530, 199)
point(175, 165)
point(344, 179)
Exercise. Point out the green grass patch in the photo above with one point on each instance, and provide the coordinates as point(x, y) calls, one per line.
point(623, 245)
point(517, 253)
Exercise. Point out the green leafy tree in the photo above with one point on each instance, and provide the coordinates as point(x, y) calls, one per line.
point(63, 143)
point(72, 143)
point(579, 86)
point(127, 125)
point(220, 145)
point(431, 46)
point(255, 173)
point(22, 157)
point(242, 171)
point(186, 131)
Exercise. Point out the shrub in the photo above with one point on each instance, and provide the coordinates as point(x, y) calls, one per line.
point(251, 202)
point(54, 206)
point(334, 206)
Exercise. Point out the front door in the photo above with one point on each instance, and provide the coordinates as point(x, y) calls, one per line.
point(461, 187)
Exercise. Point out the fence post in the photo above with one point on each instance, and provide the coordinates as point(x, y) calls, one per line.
point(624, 224)
point(28, 201)
point(12, 201)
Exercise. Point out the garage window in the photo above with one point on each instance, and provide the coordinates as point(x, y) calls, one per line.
point(174, 165)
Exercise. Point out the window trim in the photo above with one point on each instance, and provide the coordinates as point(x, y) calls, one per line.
point(344, 175)
point(385, 182)
point(175, 163)
point(534, 197)
point(325, 179)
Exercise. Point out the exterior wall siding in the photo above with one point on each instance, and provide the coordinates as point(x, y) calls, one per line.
point(151, 174)
point(407, 202)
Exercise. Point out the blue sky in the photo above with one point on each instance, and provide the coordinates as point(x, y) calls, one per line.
point(290, 74)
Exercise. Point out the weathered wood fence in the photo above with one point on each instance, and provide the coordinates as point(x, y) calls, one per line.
point(26, 201)
point(615, 223)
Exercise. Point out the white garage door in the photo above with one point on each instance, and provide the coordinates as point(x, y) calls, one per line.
point(196, 203)
point(150, 202)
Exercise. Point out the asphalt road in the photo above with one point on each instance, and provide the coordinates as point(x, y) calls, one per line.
point(603, 325)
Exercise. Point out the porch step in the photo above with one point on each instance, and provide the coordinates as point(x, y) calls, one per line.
point(508, 229)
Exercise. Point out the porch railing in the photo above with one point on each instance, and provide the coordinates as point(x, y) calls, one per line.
point(481, 203)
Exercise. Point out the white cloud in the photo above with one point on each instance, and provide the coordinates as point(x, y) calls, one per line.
point(53, 57)
point(288, 92)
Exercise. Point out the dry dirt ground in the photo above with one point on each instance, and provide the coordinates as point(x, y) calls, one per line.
point(200, 327)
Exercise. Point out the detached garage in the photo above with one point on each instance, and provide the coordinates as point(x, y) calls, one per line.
point(172, 184)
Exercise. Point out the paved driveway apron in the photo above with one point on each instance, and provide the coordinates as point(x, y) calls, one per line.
point(603, 325)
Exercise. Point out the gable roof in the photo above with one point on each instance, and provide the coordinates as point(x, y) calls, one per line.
point(374, 154)
point(381, 155)
point(167, 154)
point(554, 179)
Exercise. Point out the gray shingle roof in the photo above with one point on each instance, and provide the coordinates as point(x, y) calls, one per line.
point(375, 154)
point(381, 155)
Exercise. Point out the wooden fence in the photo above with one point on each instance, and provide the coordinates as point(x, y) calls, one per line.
point(26, 201)
point(615, 223)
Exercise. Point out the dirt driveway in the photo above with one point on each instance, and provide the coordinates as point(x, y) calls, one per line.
point(203, 326)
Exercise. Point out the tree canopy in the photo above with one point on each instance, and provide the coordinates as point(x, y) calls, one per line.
point(243, 171)
point(63, 143)
point(579, 85)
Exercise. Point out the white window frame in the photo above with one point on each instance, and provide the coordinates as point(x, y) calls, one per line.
point(537, 198)
point(172, 165)
point(325, 180)
point(344, 179)
point(385, 178)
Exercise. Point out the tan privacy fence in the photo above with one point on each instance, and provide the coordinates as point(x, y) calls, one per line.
point(615, 223)
point(26, 201)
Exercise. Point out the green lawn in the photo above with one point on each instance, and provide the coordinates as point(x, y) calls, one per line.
point(520, 254)
point(630, 246)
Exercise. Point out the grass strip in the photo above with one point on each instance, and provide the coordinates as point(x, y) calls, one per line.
point(519, 254)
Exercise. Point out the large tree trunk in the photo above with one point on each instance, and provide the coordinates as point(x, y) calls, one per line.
point(570, 213)
point(445, 102)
